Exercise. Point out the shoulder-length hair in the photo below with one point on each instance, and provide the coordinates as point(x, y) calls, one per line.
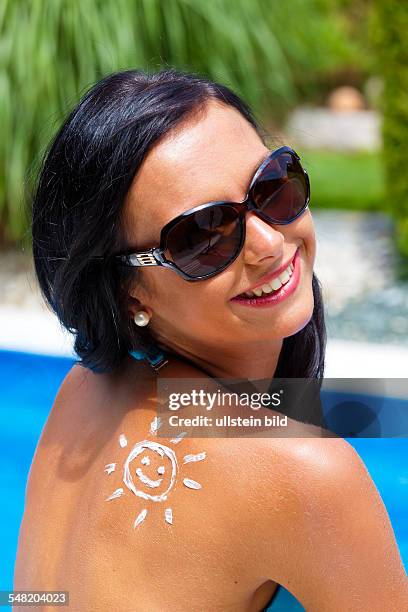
point(77, 214)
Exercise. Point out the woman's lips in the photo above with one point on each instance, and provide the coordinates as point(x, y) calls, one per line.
point(268, 278)
point(276, 296)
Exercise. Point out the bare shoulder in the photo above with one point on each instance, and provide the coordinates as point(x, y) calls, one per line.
point(132, 381)
point(303, 512)
point(81, 380)
point(79, 386)
point(323, 529)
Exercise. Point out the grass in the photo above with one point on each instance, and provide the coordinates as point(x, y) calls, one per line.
point(350, 181)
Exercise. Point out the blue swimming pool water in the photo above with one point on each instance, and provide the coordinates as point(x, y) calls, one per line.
point(29, 384)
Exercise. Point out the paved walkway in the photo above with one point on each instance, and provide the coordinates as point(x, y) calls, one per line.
point(322, 128)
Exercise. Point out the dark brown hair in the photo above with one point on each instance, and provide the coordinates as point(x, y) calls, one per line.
point(78, 205)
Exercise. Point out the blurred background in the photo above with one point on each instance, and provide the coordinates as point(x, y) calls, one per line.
point(328, 77)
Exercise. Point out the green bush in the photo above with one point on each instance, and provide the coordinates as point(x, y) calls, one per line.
point(350, 181)
point(390, 27)
point(52, 50)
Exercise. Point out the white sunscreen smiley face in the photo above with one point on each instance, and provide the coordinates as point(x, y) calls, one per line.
point(143, 485)
point(134, 484)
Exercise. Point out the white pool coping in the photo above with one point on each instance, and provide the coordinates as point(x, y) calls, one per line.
point(33, 331)
point(37, 331)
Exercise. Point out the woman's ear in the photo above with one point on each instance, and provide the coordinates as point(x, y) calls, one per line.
point(135, 305)
point(138, 298)
point(138, 290)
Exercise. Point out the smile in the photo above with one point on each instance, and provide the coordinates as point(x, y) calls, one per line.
point(146, 480)
point(276, 290)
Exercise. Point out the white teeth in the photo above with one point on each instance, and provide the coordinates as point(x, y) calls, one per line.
point(274, 285)
point(284, 277)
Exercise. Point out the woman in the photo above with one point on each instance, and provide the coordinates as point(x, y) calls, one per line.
point(245, 514)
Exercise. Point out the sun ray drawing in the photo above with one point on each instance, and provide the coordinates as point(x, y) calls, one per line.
point(110, 467)
point(151, 488)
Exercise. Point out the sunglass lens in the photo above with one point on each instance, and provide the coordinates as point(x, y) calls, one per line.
point(281, 190)
point(205, 241)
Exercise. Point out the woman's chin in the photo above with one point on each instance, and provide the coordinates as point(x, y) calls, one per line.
point(300, 319)
point(294, 319)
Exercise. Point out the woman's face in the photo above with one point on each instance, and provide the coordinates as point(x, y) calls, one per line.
point(213, 157)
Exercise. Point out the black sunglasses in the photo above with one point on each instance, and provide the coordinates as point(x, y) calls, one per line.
point(204, 240)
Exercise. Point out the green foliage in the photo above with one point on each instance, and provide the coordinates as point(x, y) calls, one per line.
point(351, 181)
point(52, 50)
point(389, 32)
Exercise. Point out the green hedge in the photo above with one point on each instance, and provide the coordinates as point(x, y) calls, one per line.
point(390, 34)
point(348, 181)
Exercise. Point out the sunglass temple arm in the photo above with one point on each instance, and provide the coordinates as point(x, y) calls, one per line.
point(145, 258)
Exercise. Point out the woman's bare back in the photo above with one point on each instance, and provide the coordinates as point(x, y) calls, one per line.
point(235, 522)
point(73, 538)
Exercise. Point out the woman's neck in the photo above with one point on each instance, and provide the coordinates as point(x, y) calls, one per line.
point(252, 362)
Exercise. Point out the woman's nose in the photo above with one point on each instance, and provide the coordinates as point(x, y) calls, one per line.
point(261, 239)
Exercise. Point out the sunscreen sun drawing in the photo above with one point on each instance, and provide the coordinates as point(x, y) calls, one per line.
point(141, 485)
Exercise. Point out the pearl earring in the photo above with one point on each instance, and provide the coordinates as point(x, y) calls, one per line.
point(141, 318)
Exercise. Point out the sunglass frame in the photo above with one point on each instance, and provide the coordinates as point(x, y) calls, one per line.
point(155, 255)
